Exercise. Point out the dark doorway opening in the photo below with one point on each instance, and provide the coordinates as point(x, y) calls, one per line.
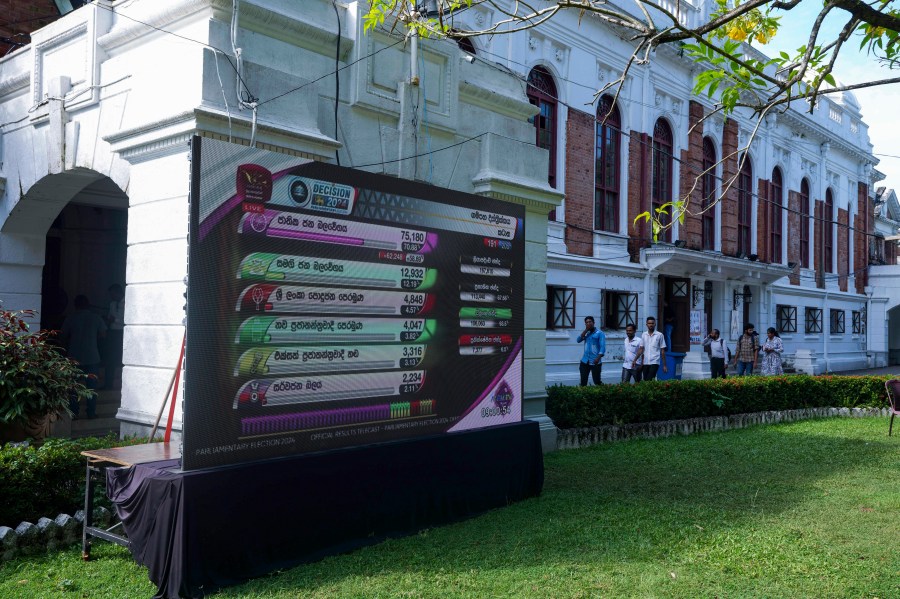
point(676, 312)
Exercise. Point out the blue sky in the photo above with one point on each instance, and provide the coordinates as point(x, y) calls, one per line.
point(879, 104)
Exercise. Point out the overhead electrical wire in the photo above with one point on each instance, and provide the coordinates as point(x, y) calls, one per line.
point(497, 66)
point(337, 78)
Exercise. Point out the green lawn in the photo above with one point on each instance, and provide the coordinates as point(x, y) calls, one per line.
point(809, 509)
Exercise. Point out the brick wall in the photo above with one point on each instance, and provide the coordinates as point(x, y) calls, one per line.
point(691, 231)
point(818, 255)
point(763, 220)
point(863, 223)
point(843, 247)
point(793, 234)
point(729, 202)
point(18, 18)
point(638, 192)
point(580, 140)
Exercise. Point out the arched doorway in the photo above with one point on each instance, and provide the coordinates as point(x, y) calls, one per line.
point(85, 251)
point(73, 226)
point(85, 254)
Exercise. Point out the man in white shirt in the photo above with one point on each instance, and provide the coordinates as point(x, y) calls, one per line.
point(631, 365)
point(718, 353)
point(653, 351)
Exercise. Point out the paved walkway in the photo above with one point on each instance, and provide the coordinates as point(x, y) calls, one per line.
point(889, 370)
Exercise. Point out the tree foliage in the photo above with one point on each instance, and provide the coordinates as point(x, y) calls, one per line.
point(728, 73)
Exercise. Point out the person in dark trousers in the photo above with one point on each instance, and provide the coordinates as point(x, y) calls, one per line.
point(747, 351)
point(594, 347)
point(653, 352)
point(631, 364)
point(718, 353)
point(82, 332)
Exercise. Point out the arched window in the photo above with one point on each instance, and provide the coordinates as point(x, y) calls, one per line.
point(542, 93)
point(804, 223)
point(776, 207)
point(828, 230)
point(465, 44)
point(709, 194)
point(661, 184)
point(606, 173)
point(745, 206)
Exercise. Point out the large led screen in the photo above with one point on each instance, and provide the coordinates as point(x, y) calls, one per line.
point(329, 307)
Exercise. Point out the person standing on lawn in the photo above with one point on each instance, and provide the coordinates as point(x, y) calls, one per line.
point(747, 352)
point(594, 347)
point(653, 352)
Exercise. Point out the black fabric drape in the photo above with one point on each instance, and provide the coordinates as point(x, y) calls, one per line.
point(201, 530)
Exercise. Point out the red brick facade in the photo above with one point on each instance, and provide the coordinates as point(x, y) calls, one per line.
point(863, 222)
point(580, 142)
point(763, 221)
point(579, 207)
point(818, 250)
point(20, 18)
point(729, 179)
point(793, 234)
point(638, 192)
point(691, 231)
point(843, 247)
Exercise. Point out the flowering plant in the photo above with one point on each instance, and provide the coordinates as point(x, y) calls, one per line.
point(35, 378)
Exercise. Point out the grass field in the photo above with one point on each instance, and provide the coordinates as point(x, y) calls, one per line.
point(809, 509)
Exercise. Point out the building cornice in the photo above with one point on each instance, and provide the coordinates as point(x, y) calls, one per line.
point(477, 95)
point(518, 190)
point(171, 134)
point(146, 18)
point(806, 125)
point(309, 30)
point(572, 262)
point(16, 82)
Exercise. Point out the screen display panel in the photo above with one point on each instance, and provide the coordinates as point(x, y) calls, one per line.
point(329, 308)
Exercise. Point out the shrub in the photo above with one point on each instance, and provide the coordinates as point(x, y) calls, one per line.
point(35, 378)
point(46, 480)
point(577, 407)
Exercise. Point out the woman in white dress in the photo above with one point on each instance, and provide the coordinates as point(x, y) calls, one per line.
point(772, 350)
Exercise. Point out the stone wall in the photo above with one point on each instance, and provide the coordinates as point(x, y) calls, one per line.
point(574, 438)
point(61, 532)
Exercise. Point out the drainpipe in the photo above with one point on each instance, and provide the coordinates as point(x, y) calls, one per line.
point(824, 334)
point(870, 359)
point(414, 56)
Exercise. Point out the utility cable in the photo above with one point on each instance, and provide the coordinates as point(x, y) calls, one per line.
point(337, 77)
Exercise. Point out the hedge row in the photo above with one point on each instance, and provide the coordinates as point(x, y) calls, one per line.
point(46, 480)
point(578, 407)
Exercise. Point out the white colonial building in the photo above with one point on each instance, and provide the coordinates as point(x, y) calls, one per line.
point(98, 109)
point(96, 113)
point(786, 247)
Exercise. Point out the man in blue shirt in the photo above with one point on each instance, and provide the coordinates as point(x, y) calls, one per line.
point(594, 347)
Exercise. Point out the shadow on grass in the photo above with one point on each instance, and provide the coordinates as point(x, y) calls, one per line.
point(627, 502)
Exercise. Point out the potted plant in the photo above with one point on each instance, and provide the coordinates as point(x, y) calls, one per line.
point(36, 380)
